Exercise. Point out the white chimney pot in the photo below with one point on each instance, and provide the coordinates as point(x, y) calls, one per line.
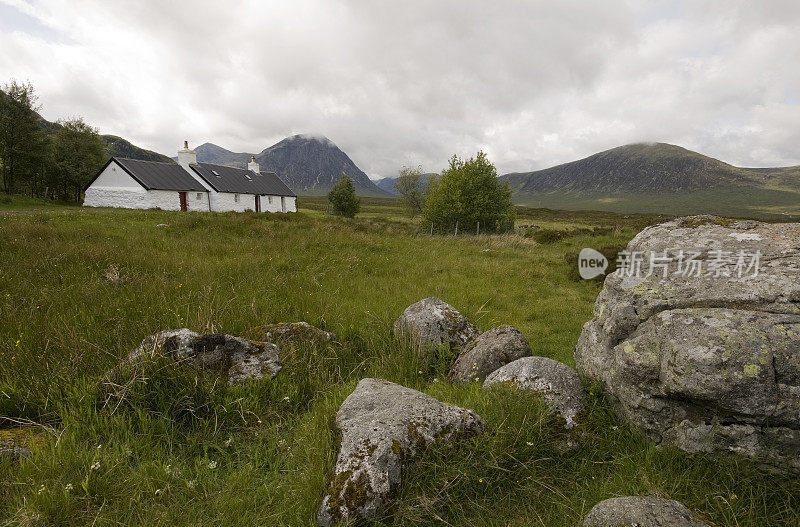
point(186, 156)
point(252, 166)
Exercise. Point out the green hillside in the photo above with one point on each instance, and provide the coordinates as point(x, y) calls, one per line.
point(114, 145)
point(661, 178)
point(119, 147)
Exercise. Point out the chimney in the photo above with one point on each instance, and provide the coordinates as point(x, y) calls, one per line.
point(186, 156)
point(252, 166)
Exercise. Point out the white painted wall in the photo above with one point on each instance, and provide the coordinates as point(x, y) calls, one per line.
point(115, 188)
point(275, 206)
point(226, 201)
point(144, 199)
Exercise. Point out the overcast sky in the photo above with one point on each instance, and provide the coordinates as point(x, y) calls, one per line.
point(532, 83)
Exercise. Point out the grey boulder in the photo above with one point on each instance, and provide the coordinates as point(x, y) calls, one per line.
point(556, 382)
point(10, 449)
point(709, 361)
point(641, 511)
point(431, 323)
point(488, 352)
point(239, 359)
point(294, 332)
point(383, 426)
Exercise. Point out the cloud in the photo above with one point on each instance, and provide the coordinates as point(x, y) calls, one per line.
point(533, 83)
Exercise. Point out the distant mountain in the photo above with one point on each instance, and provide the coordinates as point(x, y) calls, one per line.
point(313, 165)
point(387, 183)
point(656, 167)
point(660, 177)
point(309, 165)
point(211, 153)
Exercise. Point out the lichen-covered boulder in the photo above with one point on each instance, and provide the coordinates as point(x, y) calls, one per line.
point(556, 382)
point(641, 511)
point(431, 323)
point(701, 347)
point(241, 360)
point(294, 332)
point(383, 426)
point(489, 351)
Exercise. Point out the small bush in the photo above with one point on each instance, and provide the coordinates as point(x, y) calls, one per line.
point(343, 198)
point(469, 194)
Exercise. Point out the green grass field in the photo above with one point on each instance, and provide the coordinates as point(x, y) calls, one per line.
point(179, 448)
point(771, 204)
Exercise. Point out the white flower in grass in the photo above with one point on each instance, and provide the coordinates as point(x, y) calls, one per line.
point(69, 487)
point(191, 484)
point(41, 489)
point(212, 465)
point(95, 465)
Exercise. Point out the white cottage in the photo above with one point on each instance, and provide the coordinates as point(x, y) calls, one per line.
point(189, 185)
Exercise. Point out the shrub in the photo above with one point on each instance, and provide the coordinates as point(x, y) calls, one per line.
point(410, 186)
point(343, 198)
point(469, 193)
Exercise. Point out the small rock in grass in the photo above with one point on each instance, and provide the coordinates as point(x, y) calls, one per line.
point(488, 352)
point(431, 323)
point(17, 442)
point(559, 384)
point(112, 274)
point(10, 449)
point(641, 511)
point(242, 360)
point(295, 331)
point(383, 426)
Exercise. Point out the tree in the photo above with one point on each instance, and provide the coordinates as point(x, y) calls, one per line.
point(410, 186)
point(469, 193)
point(77, 154)
point(343, 198)
point(23, 145)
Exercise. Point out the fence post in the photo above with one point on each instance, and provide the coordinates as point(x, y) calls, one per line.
point(478, 231)
point(456, 227)
point(431, 228)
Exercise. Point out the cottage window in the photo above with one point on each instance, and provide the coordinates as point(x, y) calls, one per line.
point(199, 196)
point(236, 198)
point(270, 200)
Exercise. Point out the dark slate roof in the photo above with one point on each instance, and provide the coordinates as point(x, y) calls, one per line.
point(241, 181)
point(154, 175)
